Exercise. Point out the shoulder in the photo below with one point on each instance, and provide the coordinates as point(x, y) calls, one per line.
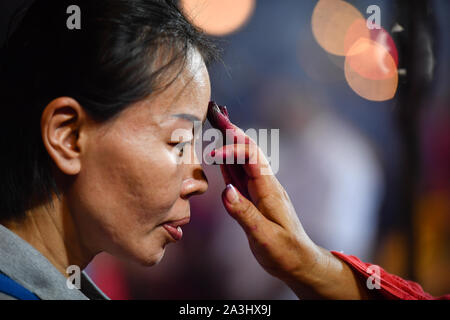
point(4, 296)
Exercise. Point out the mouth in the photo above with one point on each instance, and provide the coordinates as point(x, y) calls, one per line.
point(174, 228)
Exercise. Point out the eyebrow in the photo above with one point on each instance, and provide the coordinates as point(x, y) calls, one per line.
point(188, 117)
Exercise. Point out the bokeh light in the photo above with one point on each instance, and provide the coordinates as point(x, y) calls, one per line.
point(218, 17)
point(371, 57)
point(358, 30)
point(371, 60)
point(382, 37)
point(331, 21)
point(371, 71)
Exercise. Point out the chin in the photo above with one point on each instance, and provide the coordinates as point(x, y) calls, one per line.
point(148, 261)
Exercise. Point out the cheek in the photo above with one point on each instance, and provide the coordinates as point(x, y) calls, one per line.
point(155, 175)
point(129, 185)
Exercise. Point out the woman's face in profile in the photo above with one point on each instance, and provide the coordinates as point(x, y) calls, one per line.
point(131, 181)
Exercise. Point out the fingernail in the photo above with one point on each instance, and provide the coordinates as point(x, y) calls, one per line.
point(226, 111)
point(232, 196)
point(215, 106)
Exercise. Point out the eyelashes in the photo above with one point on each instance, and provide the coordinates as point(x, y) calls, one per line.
point(180, 146)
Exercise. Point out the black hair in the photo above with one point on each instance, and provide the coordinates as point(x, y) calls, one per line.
point(108, 64)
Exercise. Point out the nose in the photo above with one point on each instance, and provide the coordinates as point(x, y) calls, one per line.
point(195, 183)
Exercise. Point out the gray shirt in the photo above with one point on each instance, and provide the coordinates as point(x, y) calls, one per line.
point(24, 264)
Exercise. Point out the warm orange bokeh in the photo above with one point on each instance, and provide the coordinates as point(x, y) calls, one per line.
point(371, 60)
point(371, 72)
point(371, 57)
point(218, 17)
point(331, 20)
point(358, 30)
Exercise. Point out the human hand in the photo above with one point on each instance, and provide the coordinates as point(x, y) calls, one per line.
point(259, 203)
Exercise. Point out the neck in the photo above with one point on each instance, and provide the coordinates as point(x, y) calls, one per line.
point(53, 232)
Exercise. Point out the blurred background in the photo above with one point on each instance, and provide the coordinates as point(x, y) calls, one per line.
point(364, 123)
point(364, 119)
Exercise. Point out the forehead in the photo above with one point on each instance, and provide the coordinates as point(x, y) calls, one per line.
point(155, 116)
point(188, 94)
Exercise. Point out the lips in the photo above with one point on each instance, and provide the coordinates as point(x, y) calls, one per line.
point(174, 228)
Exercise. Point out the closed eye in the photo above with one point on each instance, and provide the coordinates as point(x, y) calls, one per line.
point(180, 146)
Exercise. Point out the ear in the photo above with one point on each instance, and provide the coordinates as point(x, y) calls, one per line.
point(62, 125)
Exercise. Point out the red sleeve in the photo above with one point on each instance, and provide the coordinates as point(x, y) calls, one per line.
point(387, 285)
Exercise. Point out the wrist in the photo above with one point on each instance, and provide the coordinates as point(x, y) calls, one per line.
point(325, 276)
point(309, 277)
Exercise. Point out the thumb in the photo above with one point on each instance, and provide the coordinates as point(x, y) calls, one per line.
point(243, 211)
